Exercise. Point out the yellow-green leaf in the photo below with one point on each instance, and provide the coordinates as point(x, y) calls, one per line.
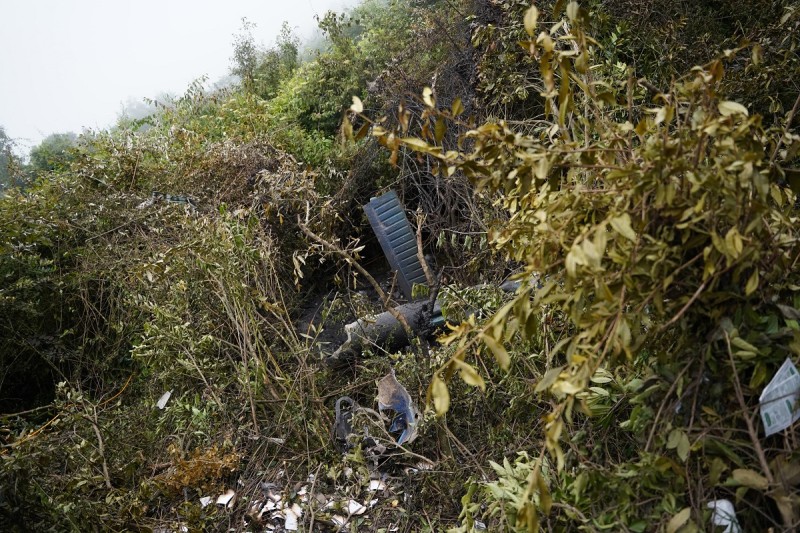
point(743, 344)
point(548, 379)
point(728, 108)
point(427, 97)
point(500, 353)
point(750, 478)
point(531, 16)
point(572, 11)
point(566, 387)
point(752, 283)
point(439, 130)
point(440, 395)
point(677, 521)
point(622, 225)
point(469, 374)
point(458, 107)
point(347, 129)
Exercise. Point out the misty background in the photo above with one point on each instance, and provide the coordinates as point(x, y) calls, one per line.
point(69, 66)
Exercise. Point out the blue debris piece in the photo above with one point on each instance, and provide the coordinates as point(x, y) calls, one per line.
point(393, 396)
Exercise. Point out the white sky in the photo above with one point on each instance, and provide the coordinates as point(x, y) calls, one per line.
point(70, 64)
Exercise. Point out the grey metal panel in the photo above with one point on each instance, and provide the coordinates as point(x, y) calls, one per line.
point(388, 220)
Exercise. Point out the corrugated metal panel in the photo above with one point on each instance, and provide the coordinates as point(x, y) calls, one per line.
point(399, 244)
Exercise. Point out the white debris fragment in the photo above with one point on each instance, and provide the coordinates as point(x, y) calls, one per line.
point(356, 508)
point(292, 515)
point(162, 402)
point(724, 515)
point(373, 503)
point(779, 399)
point(338, 520)
point(270, 506)
point(226, 499)
point(376, 484)
point(205, 500)
point(303, 493)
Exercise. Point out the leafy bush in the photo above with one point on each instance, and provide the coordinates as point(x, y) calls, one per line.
point(666, 244)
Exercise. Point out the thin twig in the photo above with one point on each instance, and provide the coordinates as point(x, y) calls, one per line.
point(100, 446)
point(685, 307)
point(349, 259)
point(751, 430)
point(788, 125)
point(663, 404)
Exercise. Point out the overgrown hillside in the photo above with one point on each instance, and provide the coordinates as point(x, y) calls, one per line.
point(172, 289)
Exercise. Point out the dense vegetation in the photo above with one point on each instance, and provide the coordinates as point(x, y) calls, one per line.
point(633, 164)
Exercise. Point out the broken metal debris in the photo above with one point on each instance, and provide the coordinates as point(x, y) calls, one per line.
point(342, 426)
point(393, 396)
point(227, 498)
point(724, 515)
point(385, 331)
point(276, 512)
point(388, 220)
point(156, 196)
point(779, 399)
point(162, 402)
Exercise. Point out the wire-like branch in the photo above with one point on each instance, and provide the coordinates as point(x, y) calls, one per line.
point(349, 259)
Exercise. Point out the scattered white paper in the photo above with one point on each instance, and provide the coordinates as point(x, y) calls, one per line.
point(724, 515)
point(376, 484)
point(292, 514)
point(227, 498)
point(205, 500)
point(338, 520)
point(356, 508)
point(779, 399)
point(162, 402)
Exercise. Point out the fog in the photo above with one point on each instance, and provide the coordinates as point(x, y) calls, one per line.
point(79, 64)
